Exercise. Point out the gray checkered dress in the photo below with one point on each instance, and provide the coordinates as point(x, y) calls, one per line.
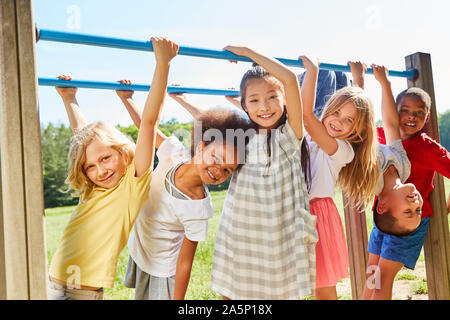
point(265, 244)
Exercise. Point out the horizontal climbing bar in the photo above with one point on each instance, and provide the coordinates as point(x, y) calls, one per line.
point(111, 42)
point(132, 87)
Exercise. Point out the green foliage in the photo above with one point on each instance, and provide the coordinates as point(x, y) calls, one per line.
point(131, 131)
point(444, 129)
point(420, 287)
point(55, 142)
point(406, 276)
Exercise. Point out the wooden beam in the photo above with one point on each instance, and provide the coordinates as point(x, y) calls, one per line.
point(2, 231)
point(23, 246)
point(15, 249)
point(437, 242)
point(32, 160)
point(356, 231)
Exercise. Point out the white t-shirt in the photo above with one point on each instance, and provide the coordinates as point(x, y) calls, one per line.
point(325, 168)
point(392, 154)
point(164, 220)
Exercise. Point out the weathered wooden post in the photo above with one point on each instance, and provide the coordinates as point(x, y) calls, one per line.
point(356, 234)
point(23, 262)
point(437, 243)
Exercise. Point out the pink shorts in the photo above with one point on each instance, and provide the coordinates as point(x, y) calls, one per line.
point(331, 250)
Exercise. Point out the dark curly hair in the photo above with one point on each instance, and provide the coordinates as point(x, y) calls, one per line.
point(230, 125)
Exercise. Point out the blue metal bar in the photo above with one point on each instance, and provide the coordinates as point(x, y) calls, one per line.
point(110, 42)
point(132, 87)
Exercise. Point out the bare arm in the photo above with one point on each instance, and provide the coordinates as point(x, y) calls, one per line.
point(288, 79)
point(358, 69)
point(388, 107)
point(313, 125)
point(235, 101)
point(68, 95)
point(164, 50)
point(195, 111)
point(184, 267)
point(135, 113)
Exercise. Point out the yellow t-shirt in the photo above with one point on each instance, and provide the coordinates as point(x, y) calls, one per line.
point(98, 231)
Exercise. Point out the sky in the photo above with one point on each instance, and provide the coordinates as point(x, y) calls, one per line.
point(381, 32)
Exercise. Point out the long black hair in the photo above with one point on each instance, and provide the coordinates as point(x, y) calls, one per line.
point(257, 72)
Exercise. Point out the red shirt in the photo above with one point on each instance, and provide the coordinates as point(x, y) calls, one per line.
point(426, 157)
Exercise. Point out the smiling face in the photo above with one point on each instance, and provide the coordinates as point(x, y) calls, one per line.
point(215, 162)
point(404, 204)
point(264, 102)
point(104, 165)
point(341, 123)
point(412, 115)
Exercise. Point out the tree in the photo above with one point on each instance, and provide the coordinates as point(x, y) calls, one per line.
point(55, 143)
point(444, 129)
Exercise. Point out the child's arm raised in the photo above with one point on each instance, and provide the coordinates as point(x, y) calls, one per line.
point(313, 125)
point(389, 113)
point(235, 101)
point(184, 267)
point(288, 79)
point(195, 111)
point(164, 50)
point(135, 113)
point(68, 95)
point(358, 69)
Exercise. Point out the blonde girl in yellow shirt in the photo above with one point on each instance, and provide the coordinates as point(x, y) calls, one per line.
point(111, 176)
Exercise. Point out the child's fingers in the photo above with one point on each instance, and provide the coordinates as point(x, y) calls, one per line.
point(124, 81)
point(64, 77)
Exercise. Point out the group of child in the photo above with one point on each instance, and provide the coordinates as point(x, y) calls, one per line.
point(280, 235)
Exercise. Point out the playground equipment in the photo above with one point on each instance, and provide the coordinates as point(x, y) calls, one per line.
point(23, 262)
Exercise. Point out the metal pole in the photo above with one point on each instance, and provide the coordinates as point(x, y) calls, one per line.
point(132, 87)
point(110, 42)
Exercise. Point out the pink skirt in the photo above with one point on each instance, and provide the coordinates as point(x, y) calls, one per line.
point(331, 250)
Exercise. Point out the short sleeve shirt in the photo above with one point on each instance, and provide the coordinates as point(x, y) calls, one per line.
point(325, 168)
point(166, 219)
point(392, 154)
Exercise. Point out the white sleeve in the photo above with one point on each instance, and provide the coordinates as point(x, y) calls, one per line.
point(344, 154)
point(402, 162)
point(195, 222)
point(169, 147)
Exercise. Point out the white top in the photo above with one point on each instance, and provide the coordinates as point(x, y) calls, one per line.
point(392, 154)
point(164, 220)
point(325, 168)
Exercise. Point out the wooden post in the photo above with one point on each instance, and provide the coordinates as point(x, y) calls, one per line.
point(356, 231)
point(437, 243)
point(23, 239)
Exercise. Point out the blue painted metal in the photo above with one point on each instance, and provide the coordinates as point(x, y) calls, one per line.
point(133, 87)
point(111, 42)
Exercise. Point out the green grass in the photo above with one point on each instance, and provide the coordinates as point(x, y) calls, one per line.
point(57, 219)
point(420, 287)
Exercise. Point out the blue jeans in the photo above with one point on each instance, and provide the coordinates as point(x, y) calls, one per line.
point(327, 84)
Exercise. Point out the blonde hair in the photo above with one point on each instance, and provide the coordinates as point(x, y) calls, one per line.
point(359, 178)
point(103, 133)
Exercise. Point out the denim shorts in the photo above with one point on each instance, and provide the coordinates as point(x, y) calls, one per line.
point(405, 250)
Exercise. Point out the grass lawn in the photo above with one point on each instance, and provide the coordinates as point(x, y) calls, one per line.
point(57, 219)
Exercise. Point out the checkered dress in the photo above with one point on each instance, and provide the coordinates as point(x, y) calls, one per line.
point(265, 244)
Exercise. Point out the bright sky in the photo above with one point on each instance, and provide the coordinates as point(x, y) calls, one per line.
point(382, 32)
